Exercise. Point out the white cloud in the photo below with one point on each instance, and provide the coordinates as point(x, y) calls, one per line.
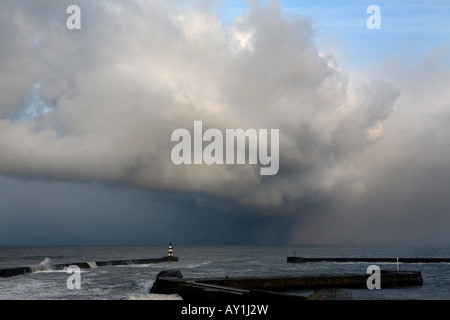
point(139, 70)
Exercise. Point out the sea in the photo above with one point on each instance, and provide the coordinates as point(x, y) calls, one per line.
point(133, 282)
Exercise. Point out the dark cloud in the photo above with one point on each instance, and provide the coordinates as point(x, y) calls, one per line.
point(120, 90)
point(137, 70)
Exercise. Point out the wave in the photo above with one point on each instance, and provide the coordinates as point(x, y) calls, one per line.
point(195, 265)
point(42, 266)
point(47, 261)
point(149, 265)
point(154, 296)
point(36, 257)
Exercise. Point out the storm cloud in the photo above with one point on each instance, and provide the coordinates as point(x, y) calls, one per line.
point(100, 104)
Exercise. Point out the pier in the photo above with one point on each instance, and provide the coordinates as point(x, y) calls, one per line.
point(11, 272)
point(273, 288)
point(380, 259)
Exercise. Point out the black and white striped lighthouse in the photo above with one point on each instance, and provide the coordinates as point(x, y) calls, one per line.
point(170, 250)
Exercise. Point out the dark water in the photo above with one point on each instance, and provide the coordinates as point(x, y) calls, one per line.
point(134, 281)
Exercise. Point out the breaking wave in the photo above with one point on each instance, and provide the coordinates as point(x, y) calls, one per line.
point(196, 265)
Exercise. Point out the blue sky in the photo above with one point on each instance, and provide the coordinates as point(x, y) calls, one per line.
point(410, 27)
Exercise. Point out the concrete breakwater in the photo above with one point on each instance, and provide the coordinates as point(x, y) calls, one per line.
point(10, 272)
point(274, 288)
point(381, 259)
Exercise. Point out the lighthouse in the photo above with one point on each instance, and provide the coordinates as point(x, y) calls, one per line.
point(170, 250)
point(170, 256)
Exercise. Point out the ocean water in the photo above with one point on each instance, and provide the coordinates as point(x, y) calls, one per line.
point(133, 282)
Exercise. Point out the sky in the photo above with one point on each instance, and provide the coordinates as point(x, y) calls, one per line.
point(86, 117)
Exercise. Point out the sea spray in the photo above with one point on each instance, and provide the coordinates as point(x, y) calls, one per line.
point(42, 266)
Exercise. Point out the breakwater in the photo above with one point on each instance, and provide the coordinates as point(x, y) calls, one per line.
point(10, 272)
point(380, 259)
point(253, 288)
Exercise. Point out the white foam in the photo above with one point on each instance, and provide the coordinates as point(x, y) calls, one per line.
point(47, 261)
point(196, 265)
point(154, 296)
point(40, 268)
point(92, 264)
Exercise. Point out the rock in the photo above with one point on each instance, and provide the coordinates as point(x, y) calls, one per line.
point(169, 274)
point(162, 286)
